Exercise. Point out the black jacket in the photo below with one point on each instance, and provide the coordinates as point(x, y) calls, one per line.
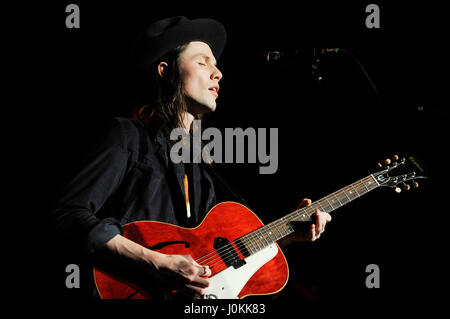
point(129, 177)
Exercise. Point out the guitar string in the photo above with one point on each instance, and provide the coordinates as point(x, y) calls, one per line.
point(251, 236)
point(230, 252)
point(230, 247)
point(210, 261)
point(223, 260)
point(244, 241)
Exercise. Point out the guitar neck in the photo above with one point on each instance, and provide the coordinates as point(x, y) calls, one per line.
point(274, 231)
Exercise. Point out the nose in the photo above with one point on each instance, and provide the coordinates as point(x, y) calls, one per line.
point(216, 74)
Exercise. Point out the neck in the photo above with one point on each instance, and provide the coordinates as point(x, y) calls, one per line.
point(270, 233)
point(187, 121)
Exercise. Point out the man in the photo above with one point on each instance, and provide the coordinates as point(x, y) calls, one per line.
point(130, 176)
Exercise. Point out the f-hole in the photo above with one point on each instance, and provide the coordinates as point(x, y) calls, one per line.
point(168, 243)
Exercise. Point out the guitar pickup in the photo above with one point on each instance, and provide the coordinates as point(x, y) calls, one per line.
point(227, 252)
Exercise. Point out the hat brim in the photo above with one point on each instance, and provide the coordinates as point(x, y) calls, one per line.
point(206, 30)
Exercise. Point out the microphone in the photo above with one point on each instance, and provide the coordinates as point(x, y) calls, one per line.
point(275, 56)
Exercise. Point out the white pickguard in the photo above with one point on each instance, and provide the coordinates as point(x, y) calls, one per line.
point(228, 283)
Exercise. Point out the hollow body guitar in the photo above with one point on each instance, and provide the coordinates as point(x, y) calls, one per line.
point(240, 250)
point(232, 265)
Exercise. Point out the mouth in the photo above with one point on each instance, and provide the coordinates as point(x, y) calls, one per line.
point(214, 90)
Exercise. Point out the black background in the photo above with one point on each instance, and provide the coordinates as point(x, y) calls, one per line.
point(59, 85)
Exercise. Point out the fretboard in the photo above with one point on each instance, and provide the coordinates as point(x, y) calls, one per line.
point(270, 233)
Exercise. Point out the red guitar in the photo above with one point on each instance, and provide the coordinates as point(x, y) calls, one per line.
point(241, 252)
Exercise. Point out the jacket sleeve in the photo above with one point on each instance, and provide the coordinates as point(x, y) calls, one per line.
point(73, 218)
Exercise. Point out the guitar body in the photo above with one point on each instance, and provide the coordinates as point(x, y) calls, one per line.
point(240, 251)
point(261, 273)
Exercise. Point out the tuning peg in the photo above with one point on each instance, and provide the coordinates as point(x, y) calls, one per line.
point(395, 157)
point(379, 165)
point(415, 184)
point(387, 161)
point(406, 187)
point(398, 190)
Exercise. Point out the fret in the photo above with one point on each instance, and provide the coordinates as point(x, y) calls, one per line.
point(270, 233)
point(326, 208)
point(255, 241)
point(321, 208)
point(260, 237)
point(280, 229)
point(355, 190)
point(268, 236)
point(364, 185)
point(304, 217)
point(260, 240)
point(276, 233)
point(248, 240)
point(286, 232)
point(338, 199)
point(376, 182)
point(353, 193)
point(288, 226)
point(300, 215)
point(253, 248)
point(370, 182)
point(312, 209)
point(345, 193)
point(288, 219)
point(332, 208)
point(279, 233)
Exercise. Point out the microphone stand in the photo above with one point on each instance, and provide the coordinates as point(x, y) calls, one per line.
point(318, 77)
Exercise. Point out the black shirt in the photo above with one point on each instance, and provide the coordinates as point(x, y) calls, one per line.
point(129, 177)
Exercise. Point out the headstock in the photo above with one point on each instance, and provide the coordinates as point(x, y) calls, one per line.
point(396, 172)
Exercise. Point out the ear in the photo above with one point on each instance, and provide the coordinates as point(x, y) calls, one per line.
point(161, 68)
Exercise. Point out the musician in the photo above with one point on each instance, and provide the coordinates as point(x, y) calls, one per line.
point(130, 176)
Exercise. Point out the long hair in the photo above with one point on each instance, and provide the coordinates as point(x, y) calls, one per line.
point(163, 95)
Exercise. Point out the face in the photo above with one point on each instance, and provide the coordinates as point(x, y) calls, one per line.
point(200, 77)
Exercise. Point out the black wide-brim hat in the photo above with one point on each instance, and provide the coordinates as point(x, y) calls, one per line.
point(164, 35)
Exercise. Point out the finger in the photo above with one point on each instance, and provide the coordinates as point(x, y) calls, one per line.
point(195, 290)
point(312, 232)
point(200, 282)
point(319, 223)
point(203, 271)
point(326, 219)
point(200, 278)
point(304, 202)
point(322, 220)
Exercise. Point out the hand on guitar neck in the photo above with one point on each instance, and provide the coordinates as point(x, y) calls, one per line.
point(306, 232)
